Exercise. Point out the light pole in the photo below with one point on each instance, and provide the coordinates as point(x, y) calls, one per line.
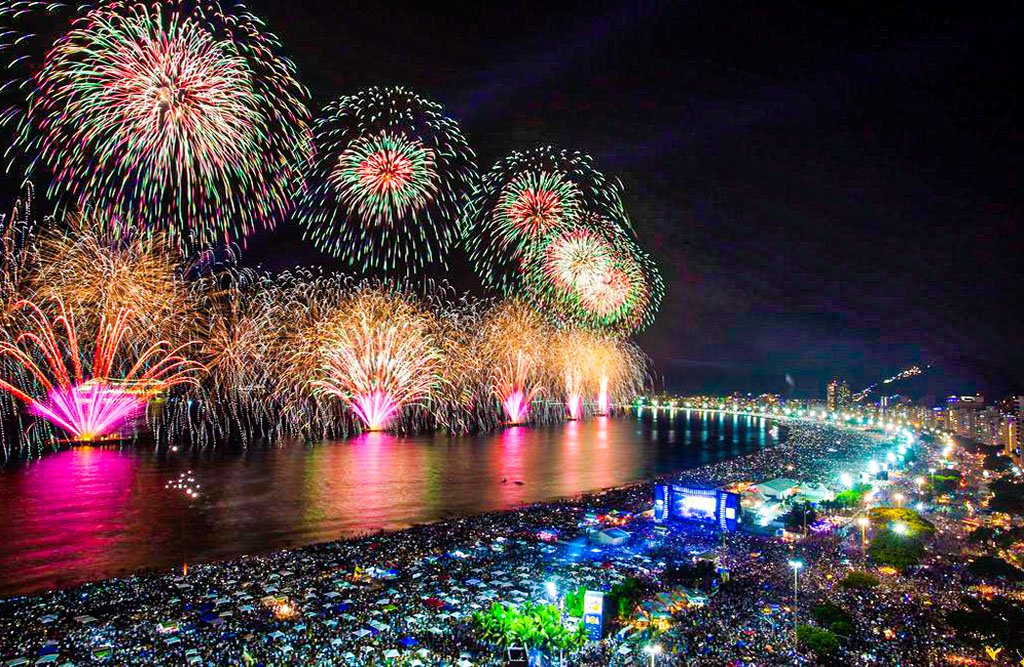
point(187, 485)
point(796, 565)
point(863, 523)
point(653, 650)
point(898, 497)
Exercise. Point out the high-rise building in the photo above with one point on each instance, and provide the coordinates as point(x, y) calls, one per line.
point(837, 395)
point(843, 396)
point(1010, 438)
point(986, 429)
point(964, 417)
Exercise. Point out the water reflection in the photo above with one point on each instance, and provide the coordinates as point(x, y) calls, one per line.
point(89, 513)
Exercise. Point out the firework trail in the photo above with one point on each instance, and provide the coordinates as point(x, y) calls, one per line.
point(467, 402)
point(28, 30)
point(574, 351)
point(175, 116)
point(389, 181)
point(15, 246)
point(522, 199)
point(238, 343)
point(92, 272)
point(90, 401)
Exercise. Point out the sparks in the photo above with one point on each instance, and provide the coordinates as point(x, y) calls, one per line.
point(89, 401)
point(187, 109)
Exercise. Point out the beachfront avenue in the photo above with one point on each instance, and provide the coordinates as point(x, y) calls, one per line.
point(675, 592)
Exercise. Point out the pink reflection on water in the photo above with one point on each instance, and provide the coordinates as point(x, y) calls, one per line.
point(68, 510)
point(507, 465)
point(91, 513)
point(572, 455)
point(375, 480)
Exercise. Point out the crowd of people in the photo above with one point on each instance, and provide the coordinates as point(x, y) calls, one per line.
point(408, 597)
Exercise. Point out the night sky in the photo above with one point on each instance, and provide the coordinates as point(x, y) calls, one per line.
point(826, 191)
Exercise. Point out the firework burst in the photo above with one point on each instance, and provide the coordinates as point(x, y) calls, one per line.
point(515, 343)
point(618, 366)
point(522, 200)
point(574, 352)
point(378, 354)
point(187, 110)
point(598, 365)
point(592, 274)
point(389, 181)
point(90, 401)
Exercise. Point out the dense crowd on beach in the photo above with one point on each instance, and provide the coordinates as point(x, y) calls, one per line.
point(408, 597)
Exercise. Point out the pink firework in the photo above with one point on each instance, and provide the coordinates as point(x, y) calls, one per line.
point(516, 344)
point(375, 408)
point(514, 390)
point(377, 354)
point(603, 401)
point(89, 401)
point(574, 405)
point(574, 392)
point(88, 412)
point(516, 405)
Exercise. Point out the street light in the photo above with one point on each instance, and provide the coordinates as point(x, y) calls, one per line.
point(653, 650)
point(188, 486)
point(863, 523)
point(796, 565)
point(898, 497)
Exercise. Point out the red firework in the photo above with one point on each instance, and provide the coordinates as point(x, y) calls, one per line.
point(385, 171)
point(534, 211)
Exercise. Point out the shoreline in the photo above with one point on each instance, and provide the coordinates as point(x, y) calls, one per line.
point(615, 495)
point(539, 491)
point(370, 594)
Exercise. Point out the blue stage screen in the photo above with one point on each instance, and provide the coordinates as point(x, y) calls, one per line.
point(702, 504)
